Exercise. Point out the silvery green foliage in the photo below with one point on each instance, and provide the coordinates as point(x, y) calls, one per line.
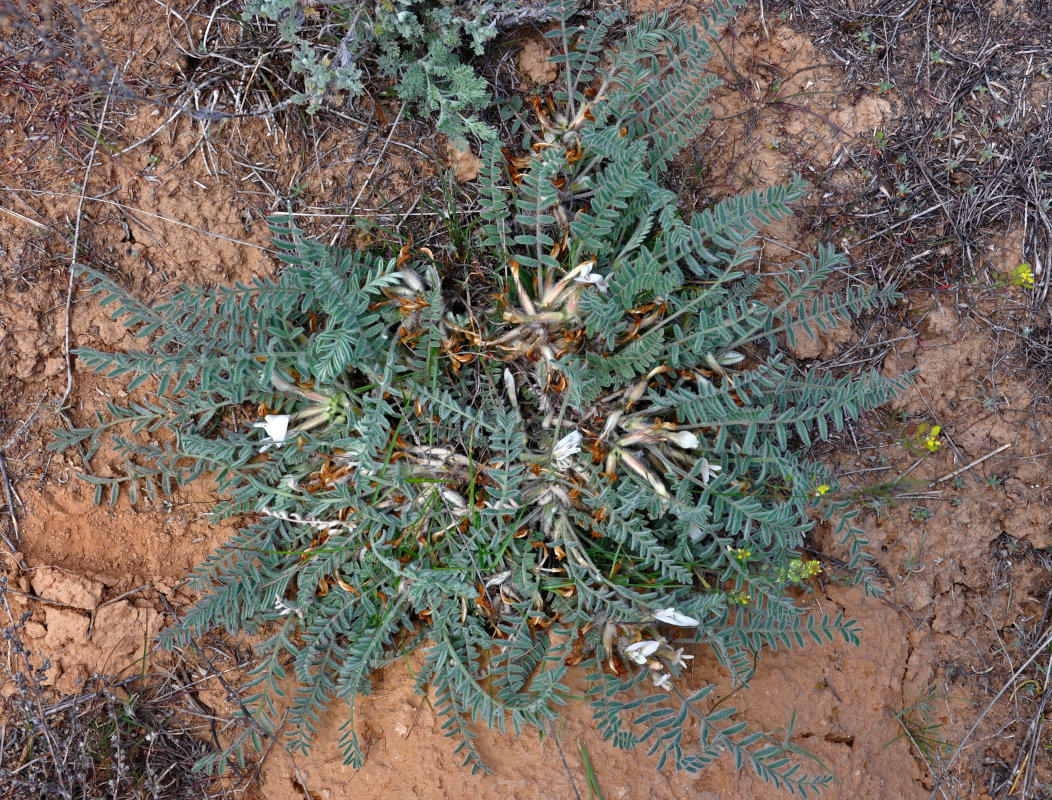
point(419, 43)
point(583, 455)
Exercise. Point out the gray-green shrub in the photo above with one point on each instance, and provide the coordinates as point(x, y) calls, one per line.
point(584, 455)
point(421, 44)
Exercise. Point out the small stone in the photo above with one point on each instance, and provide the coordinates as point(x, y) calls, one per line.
point(163, 586)
point(804, 346)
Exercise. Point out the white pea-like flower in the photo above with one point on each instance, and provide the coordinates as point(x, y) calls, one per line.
point(566, 448)
point(276, 426)
point(673, 617)
point(677, 659)
point(639, 651)
point(283, 608)
point(588, 277)
point(708, 471)
point(661, 679)
point(684, 439)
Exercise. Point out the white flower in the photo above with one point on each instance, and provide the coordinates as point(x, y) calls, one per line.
point(673, 617)
point(509, 387)
point(685, 439)
point(708, 471)
point(661, 680)
point(284, 608)
point(566, 448)
point(276, 427)
point(639, 651)
point(498, 579)
point(677, 659)
point(590, 278)
point(730, 358)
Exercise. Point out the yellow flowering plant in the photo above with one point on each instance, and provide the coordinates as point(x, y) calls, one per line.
point(922, 440)
point(1023, 276)
point(932, 442)
point(800, 570)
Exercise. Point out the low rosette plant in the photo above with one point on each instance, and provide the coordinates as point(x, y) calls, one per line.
point(584, 456)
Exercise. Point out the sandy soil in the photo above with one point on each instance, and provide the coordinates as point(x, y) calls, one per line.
point(965, 561)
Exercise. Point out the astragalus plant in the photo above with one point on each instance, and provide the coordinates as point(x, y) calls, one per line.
point(572, 449)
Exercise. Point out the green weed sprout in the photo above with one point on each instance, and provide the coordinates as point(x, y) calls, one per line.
point(587, 458)
point(919, 727)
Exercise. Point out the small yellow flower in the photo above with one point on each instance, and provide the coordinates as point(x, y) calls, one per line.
point(931, 441)
point(741, 553)
point(821, 490)
point(1023, 276)
point(800, 570)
